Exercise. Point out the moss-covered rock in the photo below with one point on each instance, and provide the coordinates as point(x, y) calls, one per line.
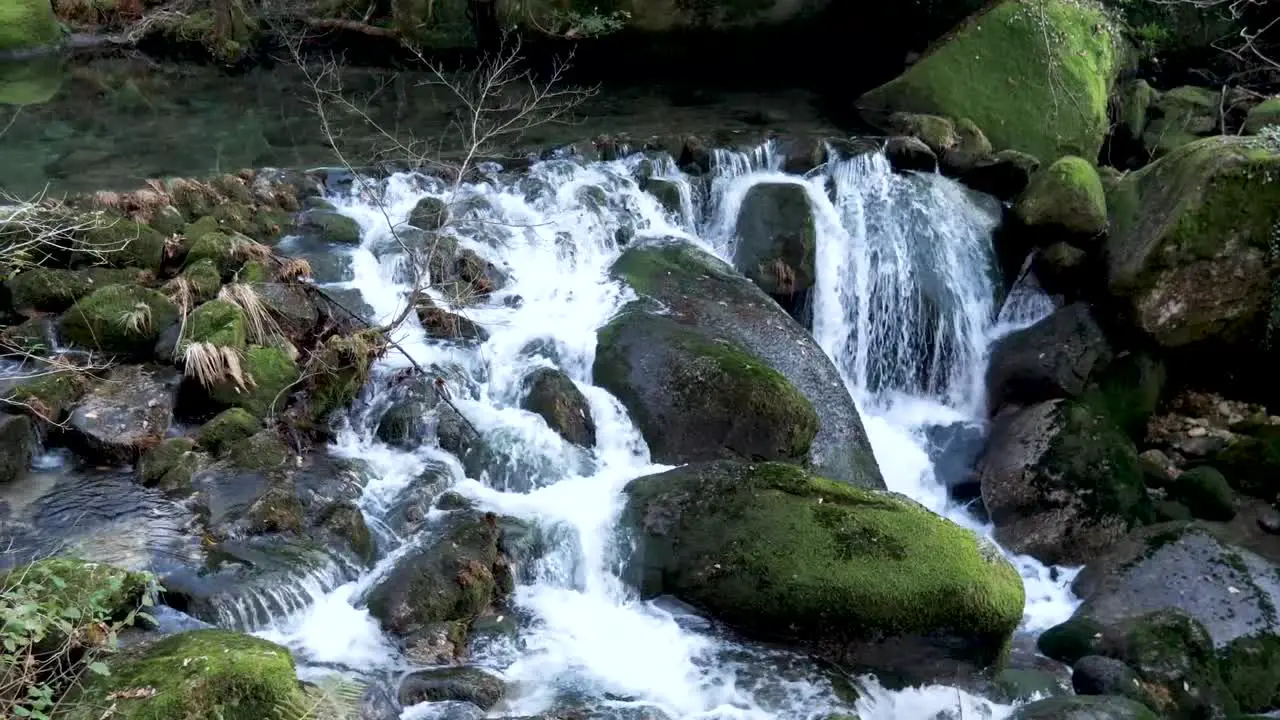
point(1263, 114)
point(218, 323)
point(203, 278)
point(1084, 707)
point(27, 25)
point(1101, 675)
point(938, 133)
point(170, 465)
point(33, 336)
point(277, 510)
point(1250, 667)
point(198, 674)
point(340, 369)
point(1061, 482)
point(1067, 197)
point(429, 214)
point(269, 373)
point(1011, 70)
point(1206, 492)
point(110, 592)
point(227, 430)
point(253, 271)
point(48, 398)
point(118, 319)
point(53, 290)
point(972, 148)
point(1251, 462)
point(696, 398)
point(1069, 641)
point(867, 578)
point(265, 451)
point(334, 227)
point(1189, 254)
point(553, 396)
point(17, 445)
point(1181, 116)
point(344, 520)
point(222, 249)
point(1128, 391)
point(460, 684)
point(121, 243)
point(776, 238)
point(1005, 174)
point(1135, 103)
point(1174, 656)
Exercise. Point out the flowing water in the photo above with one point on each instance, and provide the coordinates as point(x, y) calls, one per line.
point(904, 305)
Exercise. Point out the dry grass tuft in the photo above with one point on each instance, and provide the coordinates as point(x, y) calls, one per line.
point(136, 320)
point(213, 365)
point(262, 327)
point(293, 270)
point(247, 250)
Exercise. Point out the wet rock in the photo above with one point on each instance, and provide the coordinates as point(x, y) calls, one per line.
point(118, 319)
point(1128, 391)
point(1004, 175)
point(46, 399)
point(429, 214)
point(776, 238)
point(1206, 492)
point(463, 684)
point(127, 414)
point(1062, 269)
point(1180, 116)
point(971, 147)
point(727, 313)
point(954, 450)
point(228, 430)
point(34, 336)
point(170, 465)
point(1250, 669)
point(553, 396)
point(17, 445)
point(1251, 462)
point(910, 153)
point(666, 191)
point(1100, 675)
point(1086, 707)
point(856, 575)
point(1061, 482)
point(444, 325)
point(295, 310)
point(1065, 198)
point(1270, 522)
point(333, 227)
point(1055, 358)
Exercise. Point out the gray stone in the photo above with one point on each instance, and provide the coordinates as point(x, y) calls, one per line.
point(125, 415)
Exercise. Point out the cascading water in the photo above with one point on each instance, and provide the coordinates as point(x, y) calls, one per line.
point(904, 306)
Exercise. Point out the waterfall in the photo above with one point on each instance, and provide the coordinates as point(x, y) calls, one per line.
point(904, 306)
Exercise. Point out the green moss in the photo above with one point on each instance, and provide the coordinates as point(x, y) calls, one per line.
point(200, 227)
point(1094, 461)
point(219, 248)
point(1174, 652)
point(27, 24)
point(270, 225)
point(169, 465)
point(272, 373)
point(1136, 102)
point(1263, 114)
point(1206, 492)
point(278, 510)
point(1251, 670)
point(252, 272)
point(200, 674)
point(234, 217)
point(429, 214)
point(1128, 391)
point(774, 550)
point(1251, 463)
point(229, 429)
point(29, 336)
point(32, 81)
point(55, 290)
point(1035, 75)
point(120, 242)
point(204, 279)
point(70, 583)
point(48, 397)
point(1181, 116)
point(337, 228)
point(217, 322)
point(344, 519)
point(340, 370)
point(1068, 195)
point(118, 319)
point(265, 451)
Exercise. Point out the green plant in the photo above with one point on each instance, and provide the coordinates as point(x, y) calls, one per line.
point(571, 24)
point(333, 698)
point(58, 619)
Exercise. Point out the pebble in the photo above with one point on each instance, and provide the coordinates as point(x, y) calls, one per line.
point(1269, 521)
point(1197, 431)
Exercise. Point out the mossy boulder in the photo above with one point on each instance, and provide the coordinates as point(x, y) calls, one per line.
point(121, 243)
point(429, 214)
point(1189, 256)
point(937, 133)
point(218, 323)
point(1251, 462)
point(222, 249)
point(696, 398)
point(47, 398)
point(52, 290)
point(1035, 75)
point(204, 279)
point(1205, 491)
point(460, 684)
point(126, 415)
point(777, 238)
point(1128, 391)
point(334, 227)
point(170, 465)
point(1263, 114)
point(340, 370)
point(1066, 197)
point(1175, 658)
point(1055, 358)
point(119, 319)
point(65, 582)
point(552, 395)
point(1084, 707)
point(269, 373)
point(33, 336)
point(715, 322)
point(203, 673)
point(27, 25)
point(667, 192)
point(866, 578)
point(344, 521)
point(17, 445)
point(227, 430)
point(1061, 482)
point(1250, 669)
point(1181, 116)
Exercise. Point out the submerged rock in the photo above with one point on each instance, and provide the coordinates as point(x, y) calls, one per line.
point(868, 579)
point(552, 395)
point(714, 307)
point(1061, 482)
point(125, 415)
point(464, 684)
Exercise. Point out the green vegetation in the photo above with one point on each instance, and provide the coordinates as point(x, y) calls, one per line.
point(170, 465)
point(27, 24)
point(270, 373)
point(1067, 195)
point(121, 319)
point(227, 430)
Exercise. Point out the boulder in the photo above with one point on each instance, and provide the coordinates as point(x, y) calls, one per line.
point(47, 398)
point(333, 227)
point(1004, 175)
point(865, 578)
point(17, 445)
point(997, 70)
point(763, 349)
point(552, 395)
point(227, 251)
point(219, 323)
point(1136, 99)
point(1065, 198)
point(51, 290)
point(1084, 707)
point(1250, 668)
point(1188, 256)
point(119, 242)
point(27, 25)
point(444, 325)
point(203, 280)
point(1181, 116)
point(339, 369)
point(227, 430)
point(1251, 462)
point(972, 147)
point(1061, 482)
point(202, 673)
point(1055, 358)
point(937, 133)
point(1206, 492)
point(776, 238)
point(910, 153)
point(1101, 675)
point(126, 415)
point(121, 319)
point(460, 684)
point(293, 308)
point(1263, 114)
point(268, 373)
point(170, 465)
point(667, 192)
point(429, 214)
point(1128, 391)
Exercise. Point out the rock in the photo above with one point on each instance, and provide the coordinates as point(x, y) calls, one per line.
point(667, 192)
point(776, 238)
point(553, 396)
point(127, 414)
point(102, 593)
point(293, 308)
point(219, 323)
point(1229, 590)
point(1087, 707)
point(269, 374)
point(192, 674)
point(1180, 116)
point(203, 279)
point(55, 290)
point(170, 465)
point(339, 369)
point(465, 684)
point(227, 251)
point(17, 445)
point(1250, 668)
point(344, 520)
point(449, 578)
point(1188, 254)
point(1128, 391)
point(1175, 658)
point(121, 243)
point(1025, 685)
point(118, 319)
point(1136, 99)
point(1055, 358)
point(1100, 675)
point(1004, 175)
point(333, 227)
point(27, 25)
point(954, 450)
point(1269, 522)
point(429, 214)
point(1206, 492)
point(783, 555)
point(1060, 482)
point(34, 336)
point(1063, 269)
point(937, 133)
point(444, 325)
point(1263, 114)
point(1067, 198)
point(910, 153)
point(227, 430)
point(967, 75)
point(47, 398)
point(1251, 462)
point(724, 313)
point(972, 148)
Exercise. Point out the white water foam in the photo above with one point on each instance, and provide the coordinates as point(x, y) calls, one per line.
point(553, 232)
